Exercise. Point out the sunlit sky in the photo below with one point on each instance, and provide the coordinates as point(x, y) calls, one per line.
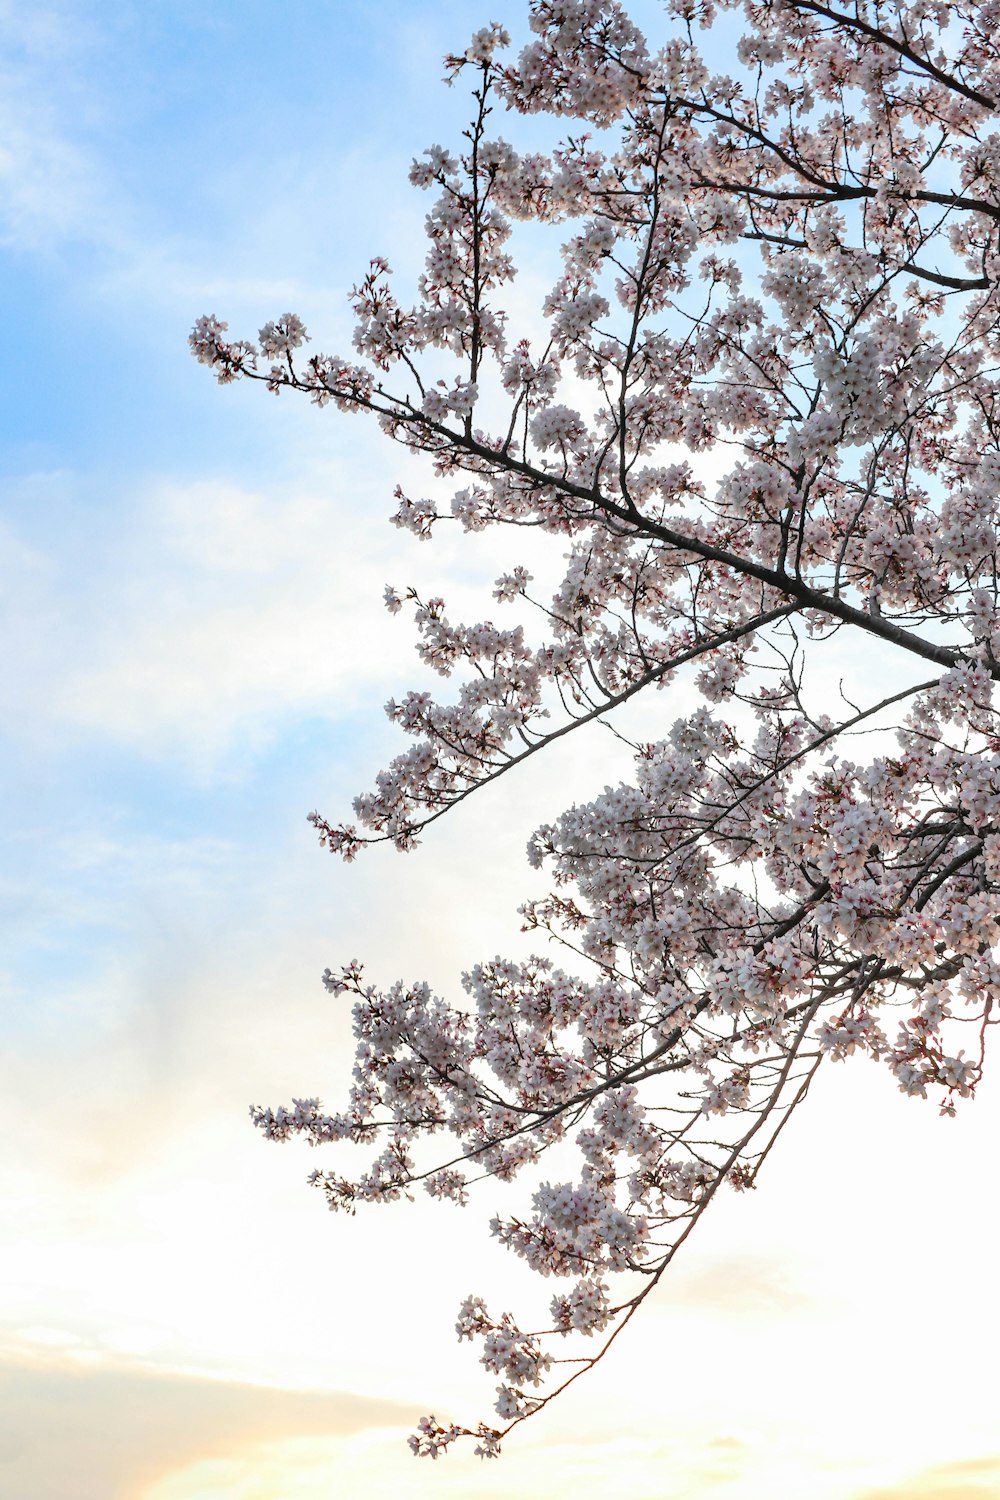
point(195, 656)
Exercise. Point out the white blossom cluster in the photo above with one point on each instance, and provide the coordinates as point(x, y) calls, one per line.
point(792, 266)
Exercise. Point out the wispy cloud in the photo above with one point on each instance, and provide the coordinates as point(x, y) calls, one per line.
point(70, 1432)
point(53, 185)
point(738, 1286)
point(211, 612)
point(378, 1465)
point(966, 1479)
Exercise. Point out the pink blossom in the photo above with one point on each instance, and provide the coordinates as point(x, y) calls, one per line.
point(790, 266)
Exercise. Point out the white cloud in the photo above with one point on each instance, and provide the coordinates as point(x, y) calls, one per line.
point(208, 613)
point(52, 186)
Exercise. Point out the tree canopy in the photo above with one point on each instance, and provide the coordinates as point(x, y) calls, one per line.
point(793, 266)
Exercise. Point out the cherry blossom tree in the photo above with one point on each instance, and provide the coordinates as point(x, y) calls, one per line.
point(785, 275)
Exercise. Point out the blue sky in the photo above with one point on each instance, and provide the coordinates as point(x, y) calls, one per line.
point(195, 656)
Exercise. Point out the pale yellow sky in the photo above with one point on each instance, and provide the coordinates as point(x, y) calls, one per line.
point(830, 1335)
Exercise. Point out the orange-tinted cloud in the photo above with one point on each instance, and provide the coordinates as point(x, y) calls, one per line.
point(740, 1285)
point(967, 1479)
point(74, 1433)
